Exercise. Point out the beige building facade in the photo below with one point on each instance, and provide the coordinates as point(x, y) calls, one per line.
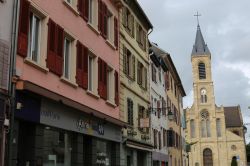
point(214, 133)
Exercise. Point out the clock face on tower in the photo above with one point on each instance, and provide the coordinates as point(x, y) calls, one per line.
point(203, 91)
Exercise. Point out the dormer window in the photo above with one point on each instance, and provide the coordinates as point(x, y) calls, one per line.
point(202, 70)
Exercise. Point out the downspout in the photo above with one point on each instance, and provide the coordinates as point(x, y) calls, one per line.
point(12, 73)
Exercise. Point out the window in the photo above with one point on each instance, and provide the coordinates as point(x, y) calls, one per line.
point(67, 57)
point(218, 127)
point(192, 128)
point(203, 95)
point(34, 37)
point(110, 84)
point(130, 111)
point(141, 75)
point(128, 63)
point(159, 137)
point(159, 72)
point(141, 115)
point(140, 36)
point(110, 26)
point(170, 138)
point(202, 70)
point(205, 124)
point(153, 73)
point(128, 21)
point(91, 10)
point(155, 138)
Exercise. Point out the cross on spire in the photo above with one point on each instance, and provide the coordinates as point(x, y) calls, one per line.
point(197, 15)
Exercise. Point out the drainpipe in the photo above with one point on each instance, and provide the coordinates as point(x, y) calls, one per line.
point(12, 72)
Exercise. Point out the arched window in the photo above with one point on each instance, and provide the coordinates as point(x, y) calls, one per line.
point(202, 70)
point(203, 93)
point(207, 157)
point(205, 124)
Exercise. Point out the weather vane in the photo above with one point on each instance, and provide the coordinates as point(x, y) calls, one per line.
point(197, 15)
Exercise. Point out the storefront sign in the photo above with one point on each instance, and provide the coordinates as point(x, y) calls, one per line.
point(61, 116)
point(90, 126)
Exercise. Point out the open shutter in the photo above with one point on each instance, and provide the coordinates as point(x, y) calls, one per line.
point(51, 54)
point(22, 47)
point(99, 15)
point(60, 48)
point(116, 32)
point(102, 79)
point(116, 88)
point(80, 7)
point(167, 80)
point(137, 33)
point(100, 76)
point(104, 20)
point(86, 10)
point(85, 67)
point(79, 66)
point(124, 60)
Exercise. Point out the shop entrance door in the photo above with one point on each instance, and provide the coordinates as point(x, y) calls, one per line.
point(141, 158)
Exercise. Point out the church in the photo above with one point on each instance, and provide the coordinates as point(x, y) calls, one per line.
point(215, 134)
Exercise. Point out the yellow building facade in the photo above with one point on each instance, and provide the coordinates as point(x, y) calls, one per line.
point(214, 134)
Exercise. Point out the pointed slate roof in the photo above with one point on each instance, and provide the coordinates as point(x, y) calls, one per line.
point(200, 47)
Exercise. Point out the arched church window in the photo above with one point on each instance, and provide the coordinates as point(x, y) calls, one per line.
point(207, 157)
point(203, 93)
point(205, 124)
point(202, 70)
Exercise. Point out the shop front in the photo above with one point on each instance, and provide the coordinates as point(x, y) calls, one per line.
point(160, 159)
point(58, 135)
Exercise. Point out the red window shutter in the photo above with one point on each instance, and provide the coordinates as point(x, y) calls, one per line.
point(80, 7)
point(79, 66)
point(85, 67)
point(86, 10)
point(104, 20)
point(116, 31)
point(60, 48)
point(51, 54)
point(22, 47)
point(116, 88)
point(105, 71)
point(100, 15)
point(100, 69)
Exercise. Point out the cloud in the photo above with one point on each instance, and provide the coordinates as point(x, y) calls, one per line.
point(225, 27)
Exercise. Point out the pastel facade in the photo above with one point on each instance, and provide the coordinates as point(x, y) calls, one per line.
point(159, 110)
point(215, 134)
point(134, 92)
point(68, 67)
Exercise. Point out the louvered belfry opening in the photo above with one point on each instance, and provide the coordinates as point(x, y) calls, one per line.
point(202, 71)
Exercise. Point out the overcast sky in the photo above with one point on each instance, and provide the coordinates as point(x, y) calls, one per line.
point(225, 25)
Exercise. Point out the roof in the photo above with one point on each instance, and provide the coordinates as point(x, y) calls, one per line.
point(200, 47)
point(233, 116)
point(169, 64)
point(137, 9)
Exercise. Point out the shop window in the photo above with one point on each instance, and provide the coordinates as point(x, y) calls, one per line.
point(57, 147)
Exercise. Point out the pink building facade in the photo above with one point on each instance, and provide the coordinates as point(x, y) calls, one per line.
point(67, 91)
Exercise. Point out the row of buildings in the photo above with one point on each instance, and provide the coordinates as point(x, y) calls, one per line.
point(81, 84)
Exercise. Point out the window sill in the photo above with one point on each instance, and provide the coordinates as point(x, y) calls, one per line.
point(69, 82)
point(36, 65)
point(91, 26)
point(74, 10)
point(111, 103)
point(91, 93)
point(111, 44)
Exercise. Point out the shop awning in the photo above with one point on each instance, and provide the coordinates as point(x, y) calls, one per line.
point(159, 156)
point(26, 85)
point(139, 145)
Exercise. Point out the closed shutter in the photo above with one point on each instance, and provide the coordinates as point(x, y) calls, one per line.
point(145, 78)
point(139, 80)
point(60, 48)
point(144, 40)
point(85, 67)
point(79, 66)
point(22, 47)
point(167, 80)
point(159, 137)
point(137, 33)
point(116, 32)
point(158, 108)
point(51, 55)
point(100, 15)
point(130, 111)
point(116, 88)
point(163, 107)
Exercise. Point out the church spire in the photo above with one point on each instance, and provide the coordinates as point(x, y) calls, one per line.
point(200, 47)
